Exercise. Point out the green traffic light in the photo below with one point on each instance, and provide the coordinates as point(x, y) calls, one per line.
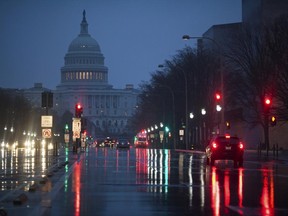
point(167, 129)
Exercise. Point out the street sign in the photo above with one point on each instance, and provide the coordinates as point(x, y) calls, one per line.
point(76, 134)
point(46, 133)
point(46, 121)
point(161, 133)
point(66, 138)
point(76, 125)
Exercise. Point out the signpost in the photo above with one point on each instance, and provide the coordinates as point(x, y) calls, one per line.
point(46, 124)
point(46, 133)
point(76, 128)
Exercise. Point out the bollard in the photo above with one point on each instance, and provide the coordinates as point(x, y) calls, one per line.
point(277, 149)
point(20, 199)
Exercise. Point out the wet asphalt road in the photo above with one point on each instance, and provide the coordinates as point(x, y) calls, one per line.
point(104, 181)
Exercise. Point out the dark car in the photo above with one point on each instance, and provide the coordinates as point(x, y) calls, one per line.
point(225, 148)
point(109, 142)
point(100, 142)
point(123, 143)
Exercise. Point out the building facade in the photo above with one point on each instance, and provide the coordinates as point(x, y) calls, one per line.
point(256, 14)
point(84, 80)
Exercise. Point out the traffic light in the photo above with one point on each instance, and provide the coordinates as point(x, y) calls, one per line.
point(78, 110)
point(47, 99)
point(273, 121)
point(267, 101)
point(167, 129)
point(228, 125)
point(217, 96)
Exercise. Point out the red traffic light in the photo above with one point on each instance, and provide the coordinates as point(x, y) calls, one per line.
point(267, 101)
point(78, 110)
point(218, 96)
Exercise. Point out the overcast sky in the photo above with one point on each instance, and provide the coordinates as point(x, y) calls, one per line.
point(135, 36)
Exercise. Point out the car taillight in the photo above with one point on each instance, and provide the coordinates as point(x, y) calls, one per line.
point(241, 146)
point(227, 136)
point(214, 145)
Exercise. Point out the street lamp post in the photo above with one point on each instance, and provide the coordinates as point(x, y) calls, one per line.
point(173, 109)
point(186, 133)
point(187, 37)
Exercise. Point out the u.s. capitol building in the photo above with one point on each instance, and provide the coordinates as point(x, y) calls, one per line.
point(84, 80)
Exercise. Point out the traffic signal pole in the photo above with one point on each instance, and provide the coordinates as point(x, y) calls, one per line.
point(266, 131)
point(76, 127)
point(267, 105)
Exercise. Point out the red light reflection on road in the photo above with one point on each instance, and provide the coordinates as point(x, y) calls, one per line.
point(223, 194)
point(76, 184)
point(267, 197)
point(141, 166)
point(215, 198)
point(240, 187)
point(227, 188)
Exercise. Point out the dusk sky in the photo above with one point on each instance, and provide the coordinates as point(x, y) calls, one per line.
point(135, 36)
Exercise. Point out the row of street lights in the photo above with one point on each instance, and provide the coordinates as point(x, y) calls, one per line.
point(219, 107)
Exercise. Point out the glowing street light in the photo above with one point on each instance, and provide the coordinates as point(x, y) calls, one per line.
point(203, 111)
point(191, 115)
point(218, 108)
point(218, 95)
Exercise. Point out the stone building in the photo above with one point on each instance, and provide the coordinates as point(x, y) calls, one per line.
point(256, 14)
point(84, 80)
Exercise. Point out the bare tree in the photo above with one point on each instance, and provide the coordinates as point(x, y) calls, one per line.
point(163, 98)
point(253, 76)
point(277, 40)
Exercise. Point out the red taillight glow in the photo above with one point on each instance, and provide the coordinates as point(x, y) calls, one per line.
point(227, 136)
point(214, 145)
point(241, 146)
